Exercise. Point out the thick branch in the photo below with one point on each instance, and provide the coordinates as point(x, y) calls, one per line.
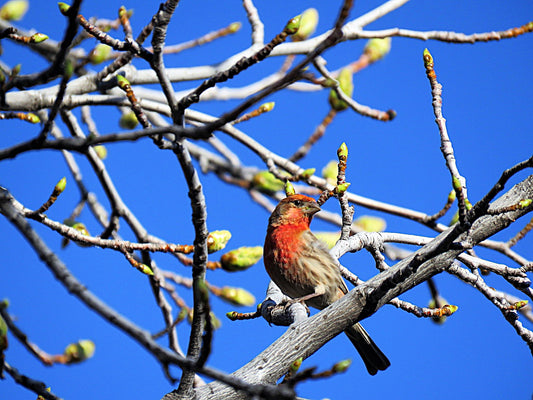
point(304, 339)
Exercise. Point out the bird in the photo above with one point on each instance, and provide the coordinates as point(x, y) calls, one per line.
point(304, 270)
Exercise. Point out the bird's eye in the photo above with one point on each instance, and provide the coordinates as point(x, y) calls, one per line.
point(297, 203)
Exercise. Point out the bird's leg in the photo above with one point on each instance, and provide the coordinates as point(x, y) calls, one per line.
point(319, 291)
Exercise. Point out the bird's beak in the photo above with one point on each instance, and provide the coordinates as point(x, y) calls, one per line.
point(311, 208)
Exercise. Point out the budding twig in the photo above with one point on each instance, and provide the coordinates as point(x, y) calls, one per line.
point(458, 182)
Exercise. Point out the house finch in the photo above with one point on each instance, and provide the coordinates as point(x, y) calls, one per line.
point(303, 269)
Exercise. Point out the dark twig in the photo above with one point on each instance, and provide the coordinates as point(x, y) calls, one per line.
point(35, 386)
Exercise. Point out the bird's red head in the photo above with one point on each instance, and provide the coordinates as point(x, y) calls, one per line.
point(294, 209)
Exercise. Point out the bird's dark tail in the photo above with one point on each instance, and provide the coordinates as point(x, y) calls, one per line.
point(372, 356)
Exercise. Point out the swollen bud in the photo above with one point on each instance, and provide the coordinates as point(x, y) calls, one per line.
point(38, 38)
point(329, 238)
point(122, 82)
point(215, 322)
point(438, 304)
point(456, 183)
point(128, 120)
point(346, 85)
point(524, 203)
point(308, 173)
point(308, 23)
point(343, 187)
point(428, 59)
point(376, 49)
point(292, 26)
point(330, 171)
point(3, 335)
point(265, 181)
point(34, 119)
point(217, 240)
point(101, 151)
point(63, 7)
point(80, 351)
point(145, 269)
point(520, 304)
point(234, 27)
point(370, 224)
point(60, 186)
point(289, 189)
point(241, 258)
point(342, 366)
point(295, 366)
point(14, 10)
point(99, 54)
point(267, 107)
point(237, 296)
point(342, 151)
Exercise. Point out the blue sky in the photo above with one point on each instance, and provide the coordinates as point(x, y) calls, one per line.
point(487, 103)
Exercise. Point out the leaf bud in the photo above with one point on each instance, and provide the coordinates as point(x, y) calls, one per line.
point(241, 258)
point(217, 240)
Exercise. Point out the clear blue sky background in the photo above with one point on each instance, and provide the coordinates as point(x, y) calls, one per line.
point(487, 103)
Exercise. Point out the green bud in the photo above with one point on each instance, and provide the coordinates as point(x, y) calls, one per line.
point(289, 189)
point(330, 171)
point(122, 12)
point(33, 118)
point(370, 224)
point(14, 10)
point(202, 291)
point(145, 269)
point(292, 26)
point(217, 240)
point(452, 196)
point(308, 23)
point(524, 203)
point(376, 49)
point(343, 187)
point(60, 186)
point(295, 366)
point(520, 304)
point(267, 107)
point(41, 397)
point(342, 366)
point(468, 205)
point(101, 151)
point(16, 70)
point(128, 120)
point(80, 351)
point(237, 296)
point(265, 181)
point(38, 37)
point(122, 82)
point(3, 336)
point(241, 258)
point(69, 68)
point(456, 183)
point(428, 59)
point(99, 54)
point(81, 228)
point(441, 301)
point(234, 27)
point(308, 173)
point(232, 315)
point(329, 238)
point(342, 152)
point(346, 85)
point(454, 219)
point(63, 7)
point(215, 322)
